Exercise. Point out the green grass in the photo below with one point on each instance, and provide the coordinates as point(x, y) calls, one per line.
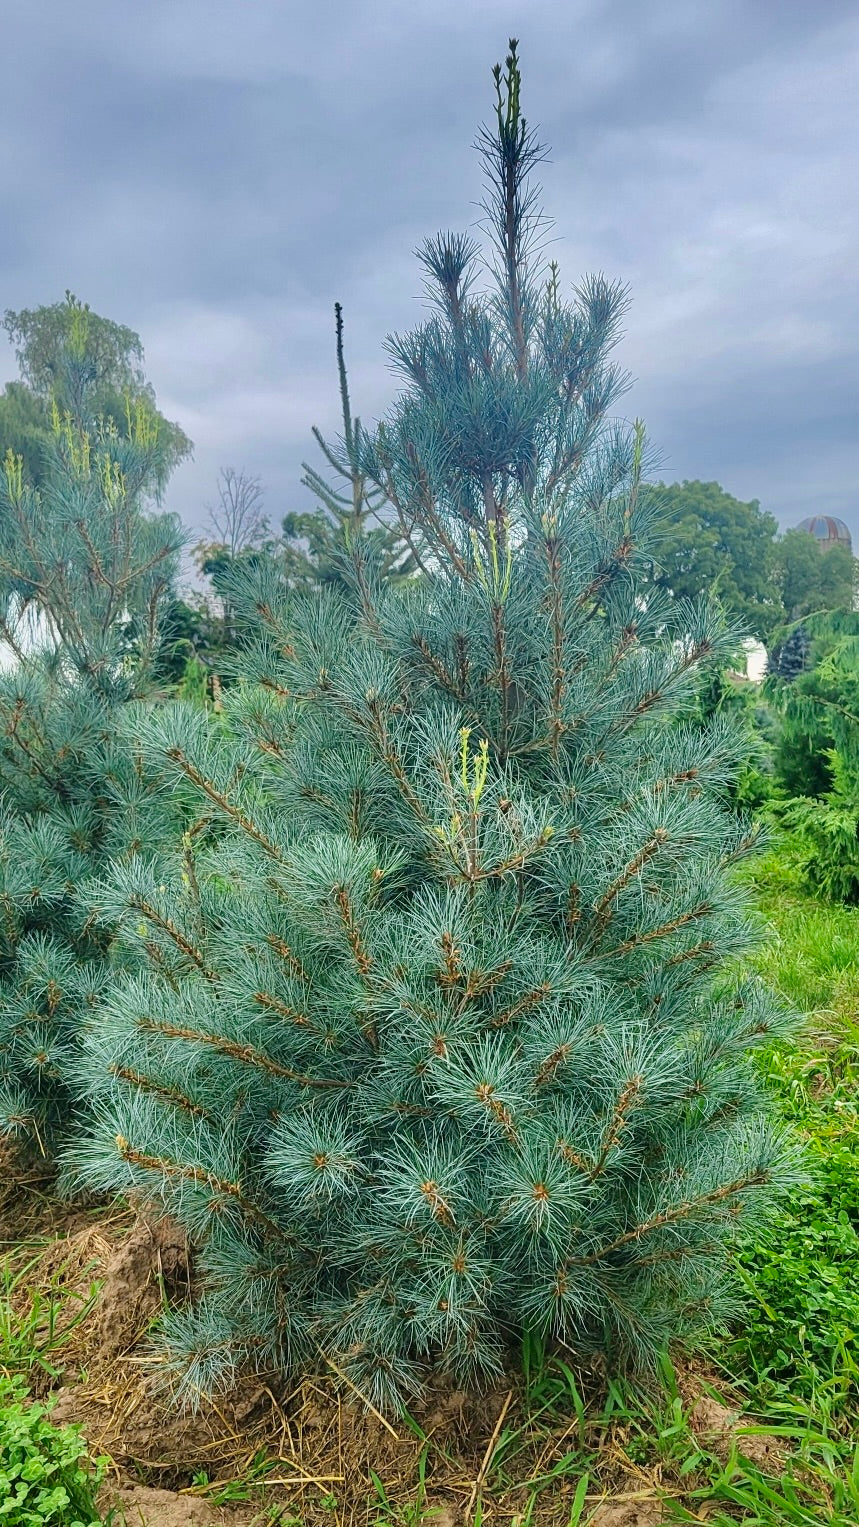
point(37, 1322)
point(816, 1486)
point(804, 1284)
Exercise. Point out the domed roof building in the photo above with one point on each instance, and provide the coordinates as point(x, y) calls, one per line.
point(827, 531)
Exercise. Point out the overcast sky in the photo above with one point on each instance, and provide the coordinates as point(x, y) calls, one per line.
point(215, 173)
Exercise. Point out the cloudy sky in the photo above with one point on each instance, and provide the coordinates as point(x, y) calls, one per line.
point(215, 173)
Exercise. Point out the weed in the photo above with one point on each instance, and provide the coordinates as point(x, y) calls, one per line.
point(43, 1482)
point(411, 1514)
point(37, 1322)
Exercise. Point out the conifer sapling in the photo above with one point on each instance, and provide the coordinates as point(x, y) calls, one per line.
point(435, 1034)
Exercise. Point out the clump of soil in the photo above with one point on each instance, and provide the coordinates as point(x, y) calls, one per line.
point(114, 1387)
point(143, 1506)
point(152, 1257)
point(643, 1513)
point(720, 1428)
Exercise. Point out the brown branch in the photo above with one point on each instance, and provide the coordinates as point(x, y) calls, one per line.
point(160, 1090)
point(14, 735)
point(352, 930)
point(481, 983)
point(246, 1054)
point(671, 1216)
point(436, 666)
point(438, 1206)
point(602, 909)
point(530, 1000)
point(581, 1163)
point(291, 1014)
point(624, 1106)
point(203, 1178)
point(428, 506)
point(393, 761)
point(550, 1065)
point(620, 556)
point(485, 1094)
point(177, 756)
point(452, 973)
point(499, 635)
point(472, 874)
point(706, 946)
point(702, 910)
point(287, 955)
point(166, 924)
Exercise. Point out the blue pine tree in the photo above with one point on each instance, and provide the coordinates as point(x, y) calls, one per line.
point(435, 1034)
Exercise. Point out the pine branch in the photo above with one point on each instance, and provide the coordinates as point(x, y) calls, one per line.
point(220, 799)
point(524, 1004)
point(171, 1095)
point(624, 1106)
point(703, 909)
point(603, 908)
point(166, 924)
point(675, 1214)
point(245, 1054)
point(220, 1187)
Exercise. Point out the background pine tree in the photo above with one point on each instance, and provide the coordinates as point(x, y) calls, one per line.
point(350, 506)
point(85, 569)
point(434, 1035)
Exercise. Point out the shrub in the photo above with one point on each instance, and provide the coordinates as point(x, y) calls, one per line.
point(820, 728)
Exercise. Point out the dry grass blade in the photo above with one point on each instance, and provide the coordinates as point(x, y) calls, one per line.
point(487, 1457)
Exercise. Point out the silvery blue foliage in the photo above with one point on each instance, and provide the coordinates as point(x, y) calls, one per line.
point(434, 1034)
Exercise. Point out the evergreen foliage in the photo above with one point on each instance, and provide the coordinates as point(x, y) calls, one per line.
point(792, 656)
point(720, 694)
point(350, 506)
point(433, 1036)
point(84, 573)
point(818, 752)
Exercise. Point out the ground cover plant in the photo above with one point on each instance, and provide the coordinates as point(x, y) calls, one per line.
point(43, 1480)
point(433, 1038)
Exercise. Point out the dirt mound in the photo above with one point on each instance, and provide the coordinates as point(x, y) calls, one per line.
point(143, 1506)
point(721, 1428)
point(118, 1393)
point(146, 1267)
point(643, 1513)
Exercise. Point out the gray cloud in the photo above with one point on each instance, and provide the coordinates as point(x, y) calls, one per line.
point(217, 174)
